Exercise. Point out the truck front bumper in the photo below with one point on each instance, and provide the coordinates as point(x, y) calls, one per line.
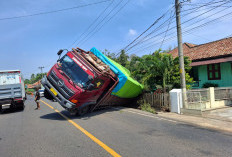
point(59, 98)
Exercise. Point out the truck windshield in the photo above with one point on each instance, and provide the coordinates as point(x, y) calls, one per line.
point(76, 73)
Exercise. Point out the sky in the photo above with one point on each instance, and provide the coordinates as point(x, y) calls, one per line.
point(27, 43)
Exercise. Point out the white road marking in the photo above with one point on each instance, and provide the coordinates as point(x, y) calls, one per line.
point(159, 118)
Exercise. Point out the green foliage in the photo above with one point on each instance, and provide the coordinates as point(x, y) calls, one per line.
point(147, 107)
point(35, 78)
point(29, 91)
point(154, 71)
point(109, 54)
point(176, 73)
point(123, 59)
point(208, 84)
point(27, 81)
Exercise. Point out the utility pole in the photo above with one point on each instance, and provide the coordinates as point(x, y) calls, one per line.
point(180, 53)
point(41, 68)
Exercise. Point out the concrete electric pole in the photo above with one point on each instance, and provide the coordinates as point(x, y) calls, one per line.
point(41, 68)
point(180, 53)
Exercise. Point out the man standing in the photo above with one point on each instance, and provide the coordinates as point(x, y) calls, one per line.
point(37, 97)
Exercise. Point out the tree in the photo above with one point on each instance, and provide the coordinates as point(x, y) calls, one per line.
point(35, 78)
point(109, 54)
point(133, 63)
point(176, 73)
point(123, 58)
point(32, 76)
point(156, 70)
point(27, 81)
point(159, 69)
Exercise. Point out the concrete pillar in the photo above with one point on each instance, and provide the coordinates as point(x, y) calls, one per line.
point(211, 96)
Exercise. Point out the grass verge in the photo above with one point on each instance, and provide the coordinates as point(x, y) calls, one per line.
point(147, 107)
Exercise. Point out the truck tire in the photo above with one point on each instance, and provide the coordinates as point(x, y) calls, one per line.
point(47, 95)
point(21, 107)
point(83, 110)
point(1, 110)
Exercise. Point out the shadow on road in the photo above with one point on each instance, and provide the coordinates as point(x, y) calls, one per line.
point(56, 116)
point(9, 111)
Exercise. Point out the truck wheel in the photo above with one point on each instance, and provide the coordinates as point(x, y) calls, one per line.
point(1, 110)
point(83, 110)
point(47, 95)
point(22, 107)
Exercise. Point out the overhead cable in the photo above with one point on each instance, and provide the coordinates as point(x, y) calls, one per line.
point(54, 11)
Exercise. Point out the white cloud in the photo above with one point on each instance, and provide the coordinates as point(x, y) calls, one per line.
point(132, 32)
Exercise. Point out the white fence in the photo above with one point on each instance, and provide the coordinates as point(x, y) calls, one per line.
point(223, 93)
point(208, 98)
point(198, 98)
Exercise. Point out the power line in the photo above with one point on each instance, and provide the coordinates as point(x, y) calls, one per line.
point(87, 35)
point(166, 30)
point(184, 32)
point(162, 25)
point(206, 4)
point(156, 29)
point(54, 11)
point(187, 20)
point(198, 7)
point(92, 24)
point(98, 29)
point(156, 21)
point(188, 32)
point(175, 26)
point(142, 40)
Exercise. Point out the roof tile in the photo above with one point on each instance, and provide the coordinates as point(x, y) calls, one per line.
point(212, 49)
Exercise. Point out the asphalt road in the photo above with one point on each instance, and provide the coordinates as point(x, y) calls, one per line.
point(125, 132)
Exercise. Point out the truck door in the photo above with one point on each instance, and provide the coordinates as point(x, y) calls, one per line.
point(97, 89)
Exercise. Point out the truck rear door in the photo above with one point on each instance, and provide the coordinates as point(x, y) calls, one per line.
point(10, 85)
point(7, 78)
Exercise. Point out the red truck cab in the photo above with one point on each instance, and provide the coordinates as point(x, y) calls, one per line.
point(78, 81)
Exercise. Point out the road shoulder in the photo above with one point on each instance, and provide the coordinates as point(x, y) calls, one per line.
point(204, 122)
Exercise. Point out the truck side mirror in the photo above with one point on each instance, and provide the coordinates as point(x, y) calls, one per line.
point(60, 52)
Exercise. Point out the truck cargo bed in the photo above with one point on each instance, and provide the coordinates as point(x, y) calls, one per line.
point(10, 91)
point(127, 87)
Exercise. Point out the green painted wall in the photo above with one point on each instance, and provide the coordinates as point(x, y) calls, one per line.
point(226, 75)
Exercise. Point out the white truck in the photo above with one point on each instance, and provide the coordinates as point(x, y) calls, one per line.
point(12, 90)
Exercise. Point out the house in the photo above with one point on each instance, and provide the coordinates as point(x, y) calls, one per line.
point(211, 62)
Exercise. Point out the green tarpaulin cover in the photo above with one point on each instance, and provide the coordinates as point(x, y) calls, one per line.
point(127, 86)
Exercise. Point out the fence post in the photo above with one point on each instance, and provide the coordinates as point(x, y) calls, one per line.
point(152, 98)
point(211, 96)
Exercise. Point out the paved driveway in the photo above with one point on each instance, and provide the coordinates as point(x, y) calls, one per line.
point(222, 114)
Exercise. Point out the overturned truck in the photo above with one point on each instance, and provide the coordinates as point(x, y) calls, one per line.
point(83, 81)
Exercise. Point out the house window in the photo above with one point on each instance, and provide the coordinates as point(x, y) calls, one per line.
point(214, 72)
